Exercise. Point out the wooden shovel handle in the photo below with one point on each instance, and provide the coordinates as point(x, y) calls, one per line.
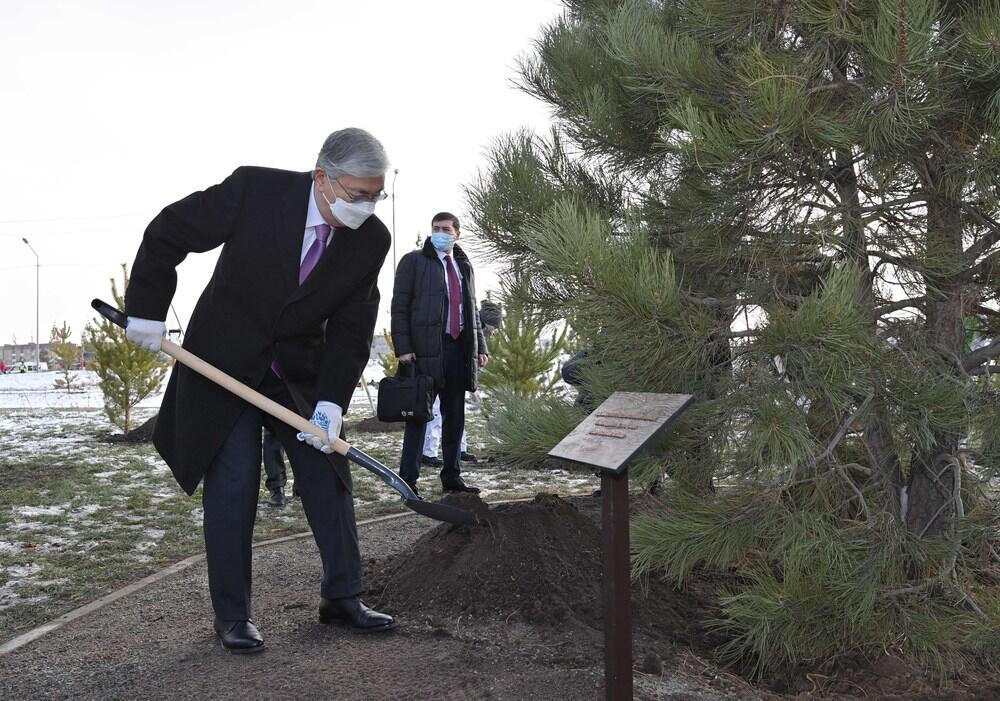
point(266, 405)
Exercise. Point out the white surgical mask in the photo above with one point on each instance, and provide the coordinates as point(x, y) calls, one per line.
point(350, 214)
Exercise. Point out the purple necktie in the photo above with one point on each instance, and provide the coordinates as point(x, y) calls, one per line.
point(308, 263)
point(314, 252)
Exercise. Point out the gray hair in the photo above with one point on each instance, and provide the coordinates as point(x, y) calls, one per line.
point(352, 152)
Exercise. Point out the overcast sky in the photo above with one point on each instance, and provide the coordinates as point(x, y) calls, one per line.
point(111, 110)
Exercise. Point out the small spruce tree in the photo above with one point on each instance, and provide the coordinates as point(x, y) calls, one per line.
point(128, 374)
point(522, 358)
point(67, 356)
point(388, 361)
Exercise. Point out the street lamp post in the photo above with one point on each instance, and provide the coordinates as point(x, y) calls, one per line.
point(394, 174)
point(37, 277)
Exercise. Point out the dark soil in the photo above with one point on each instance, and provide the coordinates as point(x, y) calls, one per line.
point(538, 564)
point(373, 425)
point(140, 434)
point(538, 560)
point(509, 612)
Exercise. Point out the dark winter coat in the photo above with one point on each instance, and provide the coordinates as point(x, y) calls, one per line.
point(253, 308)
point(420, 307)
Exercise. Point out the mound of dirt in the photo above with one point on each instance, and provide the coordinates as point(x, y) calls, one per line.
point(140, 434)
point(373, 425)
point(540, 560)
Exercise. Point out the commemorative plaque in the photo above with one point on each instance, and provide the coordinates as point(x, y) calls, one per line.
point(608, 440)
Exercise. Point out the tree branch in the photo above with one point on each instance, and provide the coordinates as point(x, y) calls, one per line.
point(916, 302)
point(842, 431)
point(981, 355)
point(982, 245)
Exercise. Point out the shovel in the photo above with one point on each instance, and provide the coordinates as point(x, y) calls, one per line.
point(438, 512)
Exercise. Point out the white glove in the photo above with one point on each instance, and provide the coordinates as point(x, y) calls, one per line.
point(145, 333)
point(329, 417)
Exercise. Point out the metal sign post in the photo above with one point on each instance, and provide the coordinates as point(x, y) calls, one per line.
point(609, 439)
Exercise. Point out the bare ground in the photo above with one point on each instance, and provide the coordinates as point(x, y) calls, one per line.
point(158, 644)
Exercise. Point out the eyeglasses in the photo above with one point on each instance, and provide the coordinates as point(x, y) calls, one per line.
point(361, 196)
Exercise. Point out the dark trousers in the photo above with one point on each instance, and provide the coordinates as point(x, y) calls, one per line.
point(229, 497)
point(274, 464)
point(452, 396)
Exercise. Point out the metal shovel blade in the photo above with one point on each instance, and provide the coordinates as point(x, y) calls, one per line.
point(438, 512)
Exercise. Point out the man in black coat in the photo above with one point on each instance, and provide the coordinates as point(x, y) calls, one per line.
point(290, 311)
point(435, 325)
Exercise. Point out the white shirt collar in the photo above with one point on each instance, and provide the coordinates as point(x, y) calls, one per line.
point(313, 216)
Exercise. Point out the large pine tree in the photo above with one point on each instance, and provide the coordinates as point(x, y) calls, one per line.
point(789, 209)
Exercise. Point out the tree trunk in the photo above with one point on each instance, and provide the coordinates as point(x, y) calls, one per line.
point(877, 436)
point(930, 491)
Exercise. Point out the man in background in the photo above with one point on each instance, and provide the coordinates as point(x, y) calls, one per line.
point(435, 326)
point(490, 318)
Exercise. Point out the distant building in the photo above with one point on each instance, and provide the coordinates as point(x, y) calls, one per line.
point(12, 354)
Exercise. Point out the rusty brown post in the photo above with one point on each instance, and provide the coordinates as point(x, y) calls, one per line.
point(617, 587)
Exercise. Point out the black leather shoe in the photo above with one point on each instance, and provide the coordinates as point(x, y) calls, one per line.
point(468, 457)
point(238, 637)
point(353, 612)
point(277, 498)
point(413, 486)
point(459, 487)
point(431, 461)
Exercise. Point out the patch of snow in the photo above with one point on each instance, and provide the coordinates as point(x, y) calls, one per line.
point(9, 599)
point(21, 571)
point(35, 390)
point(80, 512)
point(33, 511)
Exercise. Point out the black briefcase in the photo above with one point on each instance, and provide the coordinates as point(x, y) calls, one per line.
point(407, 396)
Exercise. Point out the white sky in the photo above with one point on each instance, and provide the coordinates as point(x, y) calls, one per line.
point(111, 110)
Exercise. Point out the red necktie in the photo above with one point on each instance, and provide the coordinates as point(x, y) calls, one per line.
point(454, 299)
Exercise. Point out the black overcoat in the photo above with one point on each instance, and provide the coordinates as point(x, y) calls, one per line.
point(419, 309)
point(253, 308)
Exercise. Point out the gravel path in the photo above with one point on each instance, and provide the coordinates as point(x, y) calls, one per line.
point(158, 643)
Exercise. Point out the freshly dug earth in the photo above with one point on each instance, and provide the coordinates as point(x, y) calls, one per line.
point(538, 560)
point(373, 425)
point(538, 565)
point(140, 434)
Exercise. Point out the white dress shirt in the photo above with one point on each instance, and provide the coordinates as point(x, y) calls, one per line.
point(313, 217)
point(447, 290)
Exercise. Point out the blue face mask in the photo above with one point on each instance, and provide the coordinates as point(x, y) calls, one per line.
point(442, 242)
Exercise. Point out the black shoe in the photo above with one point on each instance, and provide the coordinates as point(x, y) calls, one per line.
point(431, 461)
point(353, 612)
point(277, 498)
point(238, 637)
point(413, 486)
point(468, 457)
point(459, 487)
